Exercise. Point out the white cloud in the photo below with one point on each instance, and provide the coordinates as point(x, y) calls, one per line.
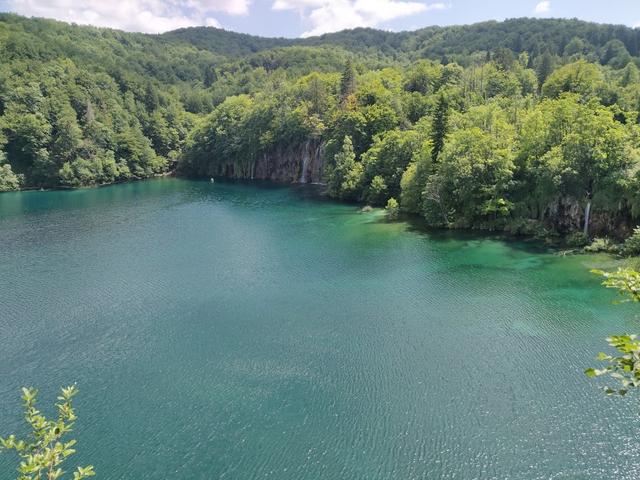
point(151, 16)
point(637, 25)
point(333, 15)
point(542, 7)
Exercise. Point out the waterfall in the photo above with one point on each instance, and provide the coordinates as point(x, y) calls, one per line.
point(318, 162)
point(305, 163)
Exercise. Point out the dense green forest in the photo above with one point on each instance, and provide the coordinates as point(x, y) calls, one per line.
point(530, 126)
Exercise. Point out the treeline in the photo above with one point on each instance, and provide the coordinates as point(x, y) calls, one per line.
point(527, 125)
point(496, 145)
point(446, 44)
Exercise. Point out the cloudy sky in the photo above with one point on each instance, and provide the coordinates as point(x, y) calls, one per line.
point(293, 18)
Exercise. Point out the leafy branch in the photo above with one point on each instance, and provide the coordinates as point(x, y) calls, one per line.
point(43, 451)
point(625, 367)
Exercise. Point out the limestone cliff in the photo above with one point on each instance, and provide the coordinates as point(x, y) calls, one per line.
point(298, 163)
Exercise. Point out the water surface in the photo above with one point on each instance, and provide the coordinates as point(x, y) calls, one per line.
point(224, 331)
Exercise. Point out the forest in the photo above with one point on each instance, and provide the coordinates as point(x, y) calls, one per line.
point(526, 126)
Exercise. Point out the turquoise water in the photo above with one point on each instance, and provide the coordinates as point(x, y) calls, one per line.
point(221, 331)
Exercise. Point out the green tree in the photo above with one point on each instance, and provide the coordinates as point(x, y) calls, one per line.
point(476, 174)
point(631, 246)
point(579, 77)
point(544, 67)
point(414, 179)
point(392, 209)
point(377, 191)
point(348, 80)
point(344, 178)
point(574, 149)
point(440, 126)
point(388, 158)
point(44, 451)
point(630, 75)
point(8, 180)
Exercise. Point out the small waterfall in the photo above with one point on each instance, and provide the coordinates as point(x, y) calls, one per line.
point(305, 163)
point(318, 162)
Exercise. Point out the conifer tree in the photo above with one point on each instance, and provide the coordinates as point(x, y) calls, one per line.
point(440, 125)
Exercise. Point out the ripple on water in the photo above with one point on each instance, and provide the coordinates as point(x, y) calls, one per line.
point(230, 331)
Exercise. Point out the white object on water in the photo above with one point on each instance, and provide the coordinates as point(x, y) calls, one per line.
point(211, 180)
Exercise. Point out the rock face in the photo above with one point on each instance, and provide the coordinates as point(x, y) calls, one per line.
point(302, 163)
point(297, 163)
point(567, 215)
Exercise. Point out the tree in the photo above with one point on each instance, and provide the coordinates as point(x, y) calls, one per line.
point(8, 179)
point(544, 67)
point(579, 77)
point(631, 246)
point(576, 47)
point(414, 179)
point(377, 191)
point(476, 173)
point(344, 179)
point(424, 77)
point(594, 154)
point(616, 54)
point(574, 150)
point(440, 125)
point(392, 209)
point(348, 80)
point(630, 75)
point(388, 158)
point(44, 451)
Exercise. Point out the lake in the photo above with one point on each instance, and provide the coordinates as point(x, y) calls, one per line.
point(230, 331)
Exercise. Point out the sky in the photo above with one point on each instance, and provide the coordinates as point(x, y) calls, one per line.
point(302, 18)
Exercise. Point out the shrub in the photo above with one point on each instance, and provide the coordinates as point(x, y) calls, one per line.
point(631, 246)
point(392, 209)
point(601, 245)
point(577, 239)
point(529, 228)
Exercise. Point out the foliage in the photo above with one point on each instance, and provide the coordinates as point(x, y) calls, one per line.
point(577, 240)
point(440, 125)
point(345, 178)
point(392, 209)
point(631, 246)
point(601, 245)
point(501, 125)
point(8, 179)
point(624, 368)
point(43, 453)
point(581, 77)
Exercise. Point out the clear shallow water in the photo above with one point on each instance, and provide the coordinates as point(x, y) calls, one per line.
point(244, 332)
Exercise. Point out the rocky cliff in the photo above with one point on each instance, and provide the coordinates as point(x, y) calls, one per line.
point(298, 163)
point(302, 163)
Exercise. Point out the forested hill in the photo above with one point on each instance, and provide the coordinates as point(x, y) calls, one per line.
point(528, 125)
point(455, 42)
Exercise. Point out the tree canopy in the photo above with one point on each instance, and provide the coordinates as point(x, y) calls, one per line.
point(515, 125)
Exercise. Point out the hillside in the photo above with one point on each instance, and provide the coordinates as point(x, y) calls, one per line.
point(525, 125)
point(455, 42)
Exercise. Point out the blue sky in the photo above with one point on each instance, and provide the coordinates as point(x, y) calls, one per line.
point(294, 18)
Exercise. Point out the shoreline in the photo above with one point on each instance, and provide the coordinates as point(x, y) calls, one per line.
point(555, 241)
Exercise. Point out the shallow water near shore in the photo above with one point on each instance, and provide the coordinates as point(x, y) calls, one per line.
point(243, 331)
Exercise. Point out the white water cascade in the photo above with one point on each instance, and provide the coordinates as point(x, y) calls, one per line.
point(305, 163)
